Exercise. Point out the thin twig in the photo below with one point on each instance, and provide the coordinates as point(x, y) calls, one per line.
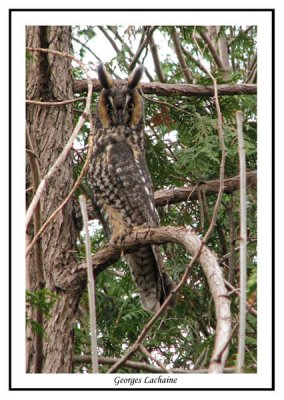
point(219, 354)
point(243, 243)
point(87, 48)
point(91, 287)
point(250, 309)
point(74, 134)
point(194, 60)
point(223, 150)
point(110, 39)
point(141, 47)
point(113, 29)
point(54, 103)
point(77, 183)
point(212, 49)
point(149, 355)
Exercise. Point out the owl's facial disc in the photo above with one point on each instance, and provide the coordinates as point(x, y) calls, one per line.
point(121, 107)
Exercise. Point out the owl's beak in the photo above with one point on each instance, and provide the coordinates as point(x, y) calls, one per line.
point(120, 116)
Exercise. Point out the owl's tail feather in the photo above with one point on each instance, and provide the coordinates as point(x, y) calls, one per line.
point(153, 283)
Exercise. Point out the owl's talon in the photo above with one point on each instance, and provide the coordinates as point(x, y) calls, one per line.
point(118, 238)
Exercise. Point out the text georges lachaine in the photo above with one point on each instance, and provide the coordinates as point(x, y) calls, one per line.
point(147, 379)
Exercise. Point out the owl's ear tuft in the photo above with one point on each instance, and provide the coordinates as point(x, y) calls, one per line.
point(104, 77)
point(135, 77)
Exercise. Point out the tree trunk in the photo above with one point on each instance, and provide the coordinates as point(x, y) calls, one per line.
point(48, 129)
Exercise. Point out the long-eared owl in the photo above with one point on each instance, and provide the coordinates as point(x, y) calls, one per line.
point(121, 182)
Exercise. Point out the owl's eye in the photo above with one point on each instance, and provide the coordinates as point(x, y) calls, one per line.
point(130, 106)
point(108, 106)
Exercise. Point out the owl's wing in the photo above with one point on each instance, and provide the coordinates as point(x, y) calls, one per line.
point(128, 171)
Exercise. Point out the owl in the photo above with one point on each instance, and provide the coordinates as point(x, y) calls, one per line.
point(121, 183)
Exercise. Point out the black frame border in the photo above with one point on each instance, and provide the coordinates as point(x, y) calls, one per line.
point(272, 11)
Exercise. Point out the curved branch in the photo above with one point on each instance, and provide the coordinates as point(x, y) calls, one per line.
point(75, 275)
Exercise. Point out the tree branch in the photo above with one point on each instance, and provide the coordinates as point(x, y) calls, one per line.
point(172, 196)
point(213, 51)
point(178, 50)
point(186, 193)
point(179, 53)
point(243, 243)
point(138, 365)
point(55, 103)
point(91, 287)
point(156, 60)
point(75, 275)
point(110, 39)
point(141, 47)
point(177, 89)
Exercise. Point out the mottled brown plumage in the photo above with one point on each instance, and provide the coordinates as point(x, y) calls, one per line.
point(121, 182)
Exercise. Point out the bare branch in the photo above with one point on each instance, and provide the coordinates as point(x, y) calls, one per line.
point(87, 48)
point(178, 50)
point(110, 39)
point(243, 243)
point(91, 287)
point(177, 89)
point(156, 60)
point(141, 47)
point(56, 103)
point(196, 62)
point(212, 49)
point(141, 366)
point(151, 357)
point(230, 210)
point(114, 30)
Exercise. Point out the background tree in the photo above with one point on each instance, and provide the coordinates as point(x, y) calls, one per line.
point(183, 155)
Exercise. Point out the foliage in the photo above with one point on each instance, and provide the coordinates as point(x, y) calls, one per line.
point(43, 301)
point(182, 147)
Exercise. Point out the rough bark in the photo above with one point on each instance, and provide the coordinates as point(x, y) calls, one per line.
point(49, 79)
